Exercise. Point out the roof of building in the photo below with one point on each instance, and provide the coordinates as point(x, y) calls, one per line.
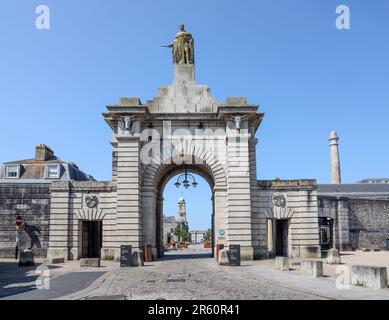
point(374, 180)
point(35, 169)
point(182, 219)
point(355, 190)
point(169, 219)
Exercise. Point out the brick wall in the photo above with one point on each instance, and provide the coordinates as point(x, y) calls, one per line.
point(32, 202)
point(369, 223)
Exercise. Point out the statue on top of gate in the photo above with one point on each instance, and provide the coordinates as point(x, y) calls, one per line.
point(182, 47)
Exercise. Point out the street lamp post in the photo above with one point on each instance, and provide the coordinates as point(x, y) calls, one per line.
point(18, 223)
point(186, 183)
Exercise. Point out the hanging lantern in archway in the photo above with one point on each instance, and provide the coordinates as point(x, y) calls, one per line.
point(186, 182)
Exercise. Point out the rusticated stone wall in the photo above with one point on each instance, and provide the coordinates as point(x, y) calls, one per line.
point(369, 223)
point(32, 202)
point(68, 208)
point(300, 209)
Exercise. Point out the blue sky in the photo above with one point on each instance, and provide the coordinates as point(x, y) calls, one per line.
point(287, 56)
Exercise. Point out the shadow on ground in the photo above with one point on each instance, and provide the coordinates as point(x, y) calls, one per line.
point(15, 279)
point(186, 256)
point(59, 286)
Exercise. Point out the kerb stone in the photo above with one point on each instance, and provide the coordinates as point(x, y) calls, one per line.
point(26, 258)
point(55, 260)
point(282, 263)
point(333, 256)
point(369, 276)
point(312, 268)
point(223, 258)
point(137, 259)
point(90, 262)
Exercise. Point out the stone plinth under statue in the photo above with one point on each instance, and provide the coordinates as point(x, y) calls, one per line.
point(184, 94)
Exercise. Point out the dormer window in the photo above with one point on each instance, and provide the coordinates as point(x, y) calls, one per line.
point(12, 171)
point(52, 171)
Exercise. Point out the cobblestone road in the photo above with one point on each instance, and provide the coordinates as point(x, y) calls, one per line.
point(186, 274)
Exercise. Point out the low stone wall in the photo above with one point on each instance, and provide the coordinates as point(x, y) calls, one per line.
point(312, 268)
point(90, 262)
point(282, 263)
point(369, 223)
point(32, 202)
point(369, 276)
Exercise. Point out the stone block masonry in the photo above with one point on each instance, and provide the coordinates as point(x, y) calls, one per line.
point(282, 263)
point(90, 262)
point(299, 209)
point(369, 276)
point(333, 256)
point(369, 223)
point(312, 268)
point(128, 218)
point(32, 202)
point(69, 208)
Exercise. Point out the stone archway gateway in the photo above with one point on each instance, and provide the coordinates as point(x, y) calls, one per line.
point(155, 180)
point(161, 179)
point(184, 127)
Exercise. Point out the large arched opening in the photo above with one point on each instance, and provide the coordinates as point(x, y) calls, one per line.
point(156, 177)
point(168, 192)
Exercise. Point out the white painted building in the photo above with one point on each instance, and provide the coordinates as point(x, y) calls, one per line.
point(197, 236)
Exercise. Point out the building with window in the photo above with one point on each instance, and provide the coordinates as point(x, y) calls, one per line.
point(171, 222)
point(353, 216)
point(44, 167)
point(25, 190)
point(169, 225)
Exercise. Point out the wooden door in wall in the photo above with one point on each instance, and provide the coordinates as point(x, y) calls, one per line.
point(91, 239)
point(282, 237)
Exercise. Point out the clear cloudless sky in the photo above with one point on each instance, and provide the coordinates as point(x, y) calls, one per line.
point(287, 56)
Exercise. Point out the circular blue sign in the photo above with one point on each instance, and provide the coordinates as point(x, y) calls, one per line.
point(221, 233)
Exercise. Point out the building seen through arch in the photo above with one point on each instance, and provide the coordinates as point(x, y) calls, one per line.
point(170, 223)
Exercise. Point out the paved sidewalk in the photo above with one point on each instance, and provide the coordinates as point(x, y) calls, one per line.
point(20, 282)
point(187, 274)
point(59, 286)
point(255, 280)
point(321, 287)
point(184, 274)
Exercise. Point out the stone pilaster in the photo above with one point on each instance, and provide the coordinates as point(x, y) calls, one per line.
point(342, 231)
point(128, 219)
point(219, 216)
point(114, 159)
point(259, 224)
point(270, 237)
point(59, 220)
point(239, 195)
